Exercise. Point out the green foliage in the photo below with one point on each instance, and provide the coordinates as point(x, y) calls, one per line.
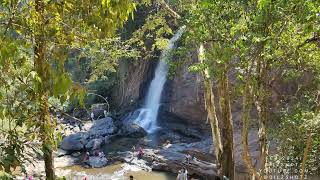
point(36, 39)
point(62, 178)
point(263, 43)
point(5, 176)
point(292, 135)
point(152, 35)
point(17, 117)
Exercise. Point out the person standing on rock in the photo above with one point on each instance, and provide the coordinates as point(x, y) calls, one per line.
point(80, 126)
point(85, 153)
point(185, 174)
point(92, 116)
point(140, 153)
point(188, 158)
point(133, 151)
point(180, 175)
point(105, 113)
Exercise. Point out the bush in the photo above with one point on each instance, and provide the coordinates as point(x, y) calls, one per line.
point(292, 137)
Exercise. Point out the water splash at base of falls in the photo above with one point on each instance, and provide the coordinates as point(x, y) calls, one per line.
point(149, 112)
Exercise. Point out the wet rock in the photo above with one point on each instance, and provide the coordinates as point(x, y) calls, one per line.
point(130, 117)
point(103, 127)
point(97, 162)
point(172, 160)
point(92, 134)
point(132, 130)
point(94, 144)
point(60, 152)
point(87, 126)
point(76, 154)
point(72, 142)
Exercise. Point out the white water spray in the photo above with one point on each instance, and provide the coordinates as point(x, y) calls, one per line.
point(148, 114)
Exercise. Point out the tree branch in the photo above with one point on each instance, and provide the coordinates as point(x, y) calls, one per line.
point(169, 9)
point(310, 40)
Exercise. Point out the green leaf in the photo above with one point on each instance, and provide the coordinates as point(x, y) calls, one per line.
point(62, 84)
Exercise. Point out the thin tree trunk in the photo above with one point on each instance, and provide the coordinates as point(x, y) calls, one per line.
point(47, 137)
point(246, 106)
point(216, 137)
point(305, 155)
point(44, 115)
point(262, 106)
point(211, 110)
point(263, 141)
point(227, 126)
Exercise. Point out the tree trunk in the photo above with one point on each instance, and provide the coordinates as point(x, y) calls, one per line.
point(262, 136)
point(227, 126)
point(47, 138)
point(262, 107)
point(261, 102)
point(305, 155)
point(44, 115)
point(211, 110)
point(246, 106)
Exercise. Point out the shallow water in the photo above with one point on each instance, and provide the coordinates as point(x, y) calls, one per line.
point(117, 171)
point(113, 172)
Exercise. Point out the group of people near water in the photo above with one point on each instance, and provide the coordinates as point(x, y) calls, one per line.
point(182, 174)
point(86, 154)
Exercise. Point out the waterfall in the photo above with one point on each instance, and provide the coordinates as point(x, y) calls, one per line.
point(148, 114)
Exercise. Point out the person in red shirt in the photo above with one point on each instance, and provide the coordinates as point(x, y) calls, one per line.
point(140, 153)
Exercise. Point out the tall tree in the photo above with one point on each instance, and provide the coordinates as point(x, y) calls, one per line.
point(220, 53)
point(266, 60)
point(52, 29)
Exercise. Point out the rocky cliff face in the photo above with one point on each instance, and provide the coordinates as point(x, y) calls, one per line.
point(134, 77)
point(183, 97)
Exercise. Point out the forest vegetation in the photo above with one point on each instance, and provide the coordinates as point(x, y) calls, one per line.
point(57, 57)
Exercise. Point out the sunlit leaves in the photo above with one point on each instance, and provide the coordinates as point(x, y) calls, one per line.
point(198, 67)
point(160, 43)
point(25, 84)
point(62, 84)
point(155, 29)
point(263, 4)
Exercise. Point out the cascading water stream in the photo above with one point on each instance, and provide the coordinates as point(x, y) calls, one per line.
point(149, 113)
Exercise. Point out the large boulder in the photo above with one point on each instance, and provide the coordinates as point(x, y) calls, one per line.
point(132, 130)
point(72, 142)
point(103, 127)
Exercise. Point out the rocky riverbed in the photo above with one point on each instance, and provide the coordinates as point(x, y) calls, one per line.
point(163, 151)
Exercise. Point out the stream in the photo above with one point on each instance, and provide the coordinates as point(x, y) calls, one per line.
point(113, 172)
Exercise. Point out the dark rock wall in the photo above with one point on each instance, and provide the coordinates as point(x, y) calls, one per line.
point(134, 78)
point(183, 97)
point(183, 94)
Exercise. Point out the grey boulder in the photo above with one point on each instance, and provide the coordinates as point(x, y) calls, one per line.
point(97, 162)
point(133, 130)
point(72, 142)
point(103, 127)
point(94, 144)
